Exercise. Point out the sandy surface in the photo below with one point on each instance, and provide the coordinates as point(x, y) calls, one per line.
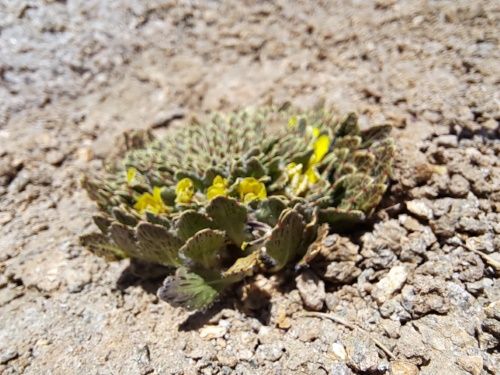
point(422, 280)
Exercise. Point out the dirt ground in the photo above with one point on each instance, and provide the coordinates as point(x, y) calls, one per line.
point(422, 280)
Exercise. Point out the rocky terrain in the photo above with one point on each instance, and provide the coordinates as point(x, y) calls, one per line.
point(413, 291)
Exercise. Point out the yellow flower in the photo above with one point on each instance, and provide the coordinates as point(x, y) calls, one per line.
point(184, 191)
point(321, 146)
point(292, 121)
point(152, 203)
point(250, 189)
point(218, 188)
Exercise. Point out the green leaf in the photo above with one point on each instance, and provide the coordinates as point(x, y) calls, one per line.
point(269, 210)
point(351, 142)
point(153, 218)
point(254, 168)
point(187, 290)
point(124, 217)
point(205, 248)
point(125, 239)
point(244, 266)
point(102, 246)
point(314, 248)
point(102, 222)
point(285, 239)
point(374, 134)
point(158, 245)
point(348, 125)
point(371, 197)
point(230, 216)
point(340, 219)
point(191, 222)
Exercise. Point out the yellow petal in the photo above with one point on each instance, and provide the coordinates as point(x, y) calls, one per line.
point(215, 191)
point(130, 175)
point(311, 175)
point(321, 147)
point(184, 190)
point(250, 189)
point(292, 121)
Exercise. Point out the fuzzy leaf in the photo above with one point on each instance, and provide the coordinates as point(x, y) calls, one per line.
point(374, 134)
point(158, 245)
point(124, 217)
point(205, 248)
point(314, 248)
point(102, 246)
point(244, 266)
point(102, 222)
point(349, 125)
point(371, 197)
point(284, 242)
point(153, 218)
point(191, 222)
point(230, 216)
point(187, 290)
point(340, 219)
point(269, 210)
point(125, 239)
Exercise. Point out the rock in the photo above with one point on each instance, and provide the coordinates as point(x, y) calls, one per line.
point(421, 208)
point(425, 295)
point(341, 272)
point(337, 352)
point(394, 310)
point(459, 186)
point(484, 243)
point(8, 355)
point(447, 140)
point(55, 157)
point(212, 332)
point(390, 284)
point(410, 223)
point(5, 217)
point(471, 364)
point(311, 289)
point(492, 326)
point(268, 335)
point(270, 352)
point(402, 368)
point(340, 249)
point(245, 355)
point(493, 310)
point(227, 359)
point(361, 352)
point(142, 354)
point(442, 206)
point(441, 268)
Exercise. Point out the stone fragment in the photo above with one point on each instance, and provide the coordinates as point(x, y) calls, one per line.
point(421, 208)
point(447, 140)
point(270, 352)
point(311, 289)
point(5, 217)
point(212, 332)
point(472, 364)
point(493, 310)
point(402, 368)
point(341, 272)
point(459, 186)
point(390, 284)
point(361, 352)
point(337, 352)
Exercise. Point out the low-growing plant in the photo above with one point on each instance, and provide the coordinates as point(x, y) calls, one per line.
point(253, 190)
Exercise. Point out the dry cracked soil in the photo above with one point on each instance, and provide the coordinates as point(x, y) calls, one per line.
point(415, 291)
